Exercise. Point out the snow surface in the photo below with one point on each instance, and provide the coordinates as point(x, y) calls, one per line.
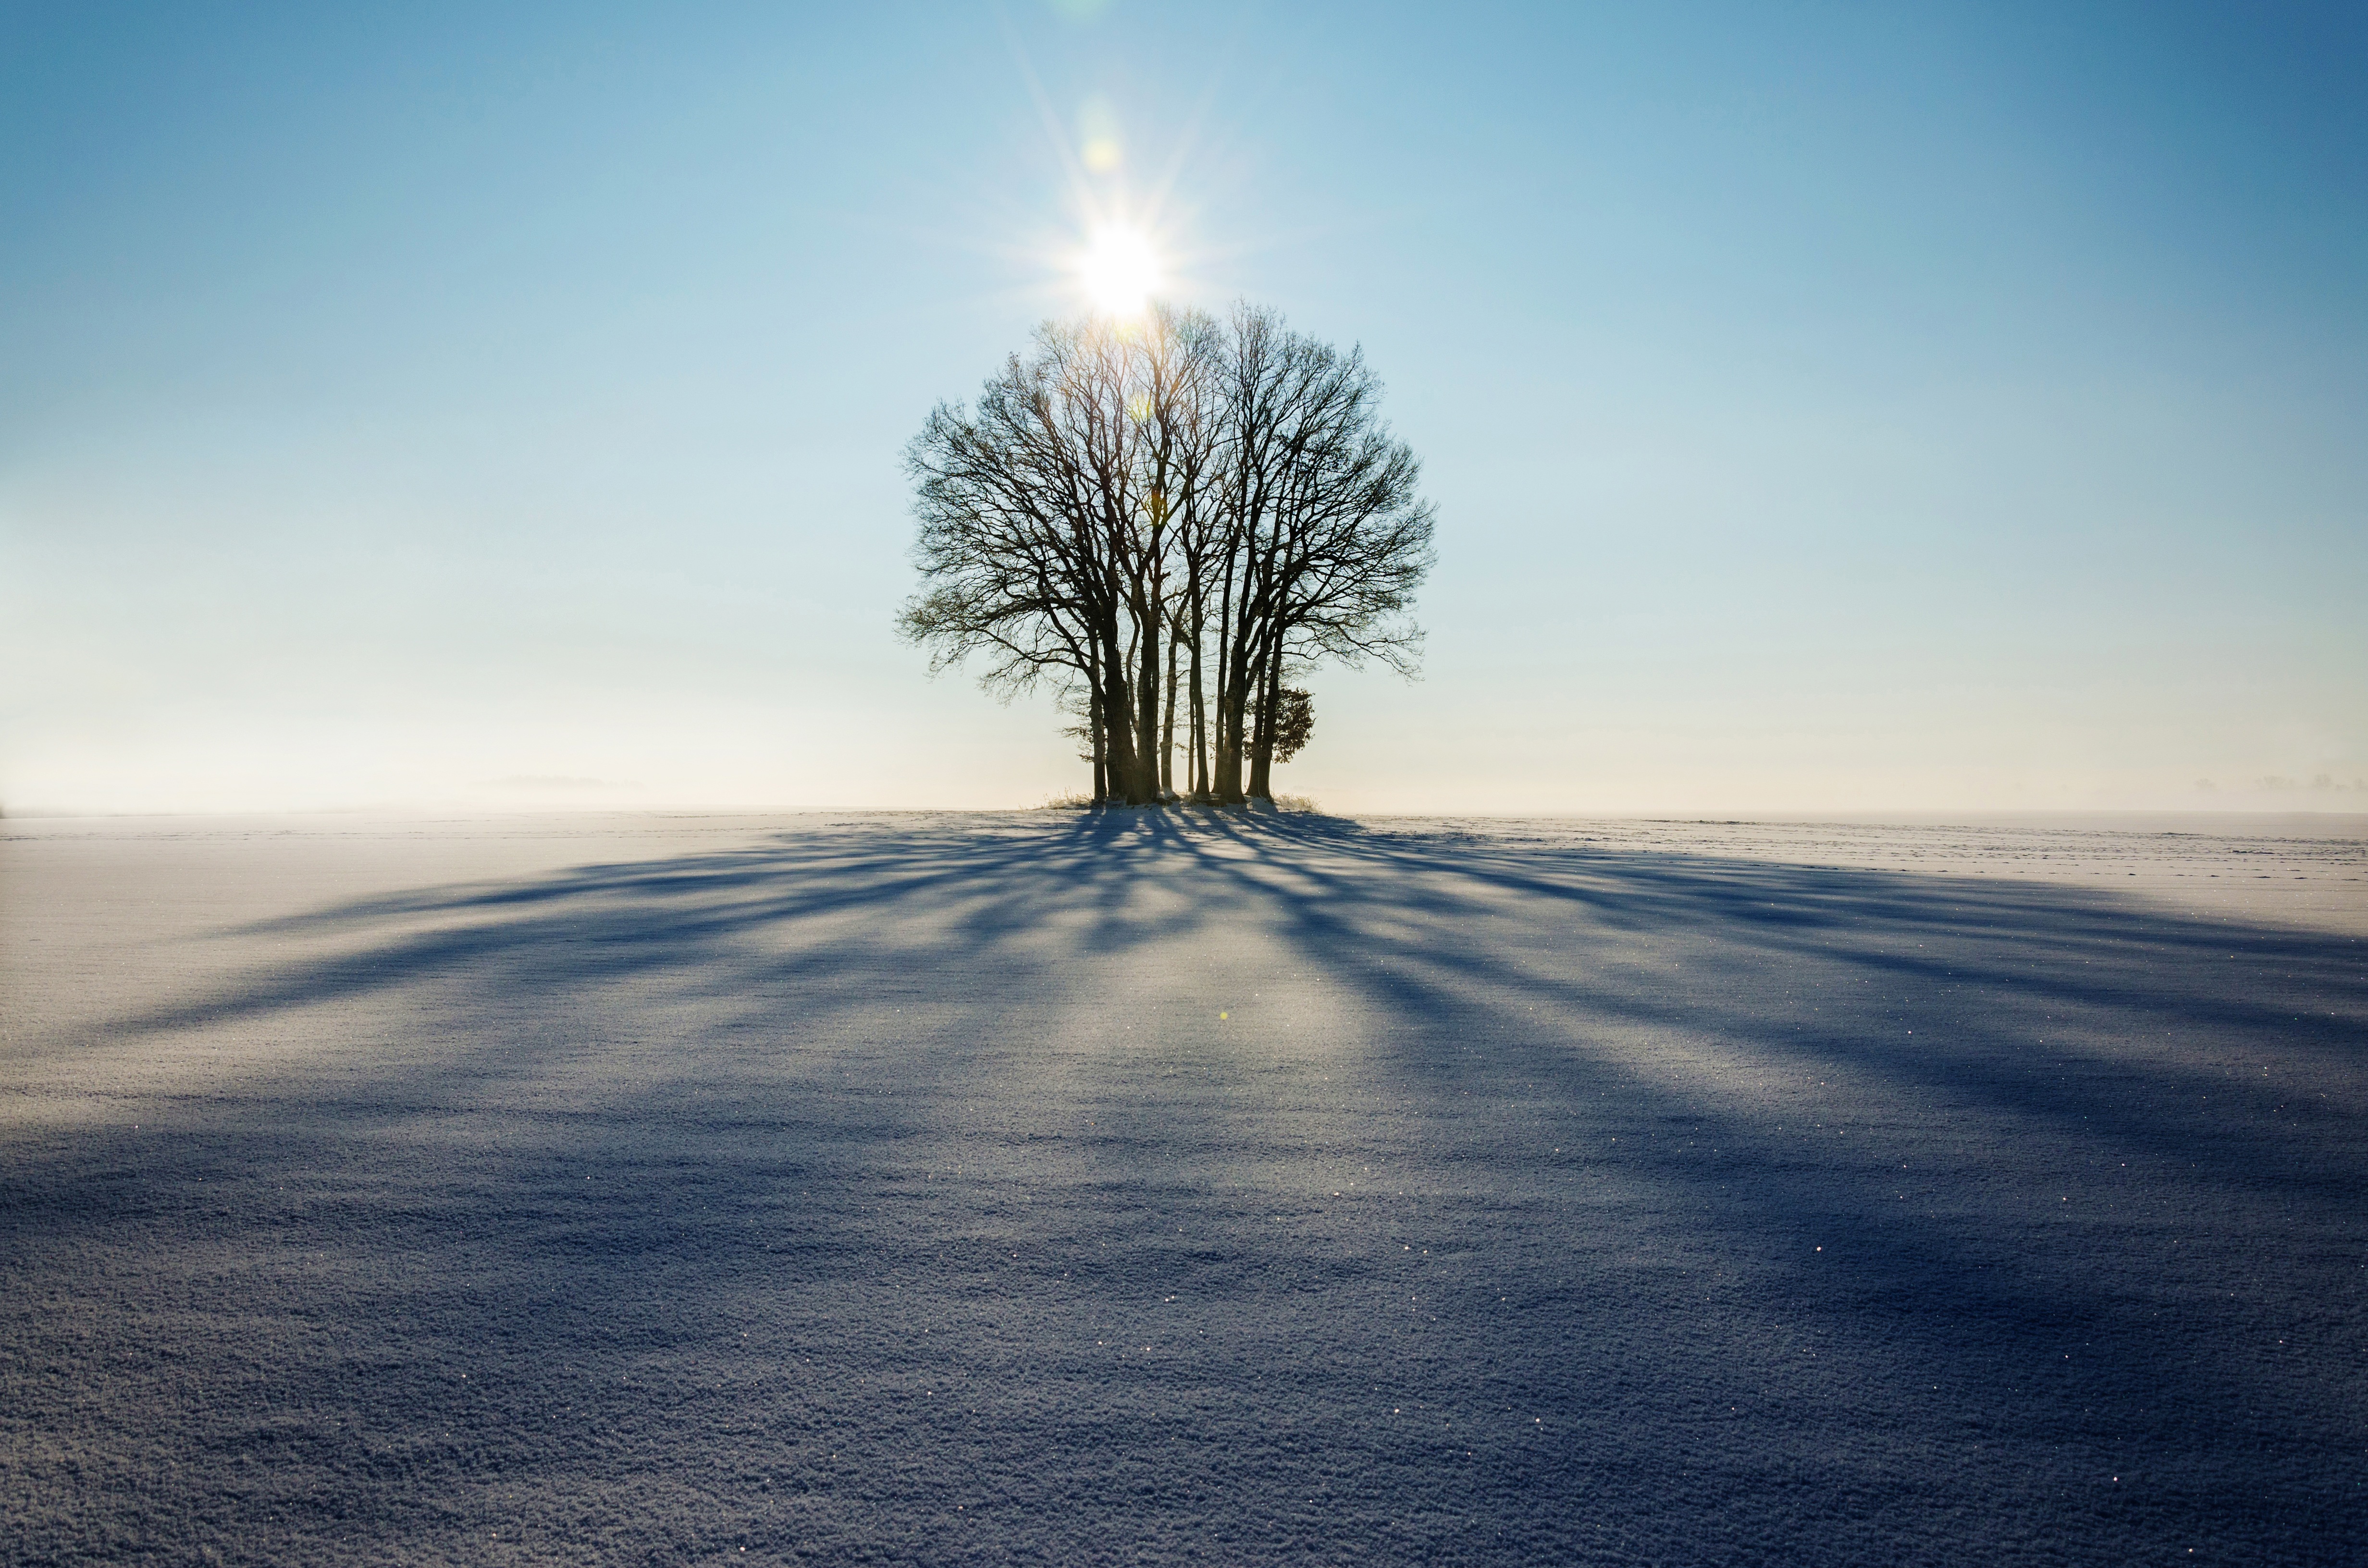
point(1148, 1188)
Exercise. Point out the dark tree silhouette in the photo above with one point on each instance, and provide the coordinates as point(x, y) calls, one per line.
point(1178, 513)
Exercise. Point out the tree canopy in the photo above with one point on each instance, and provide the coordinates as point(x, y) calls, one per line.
point(1179, 509)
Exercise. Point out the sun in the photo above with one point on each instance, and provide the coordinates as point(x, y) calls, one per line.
point(1120, 270)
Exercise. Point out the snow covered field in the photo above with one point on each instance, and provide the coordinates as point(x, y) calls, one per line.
point(1156, 1188)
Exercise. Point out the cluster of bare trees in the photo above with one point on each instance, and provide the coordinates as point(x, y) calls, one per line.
point(1178, 513)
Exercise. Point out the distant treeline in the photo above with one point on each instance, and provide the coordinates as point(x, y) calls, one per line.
point(1179, 511)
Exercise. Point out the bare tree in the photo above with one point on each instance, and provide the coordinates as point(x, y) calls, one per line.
point(1024, 503)
point(1328, 535)
point(1178, 512)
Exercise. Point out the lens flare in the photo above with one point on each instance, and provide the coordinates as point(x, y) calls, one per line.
point(1100, 147)
point(1120, 271)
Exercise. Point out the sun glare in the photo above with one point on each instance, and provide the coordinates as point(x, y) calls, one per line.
point(1120, 271)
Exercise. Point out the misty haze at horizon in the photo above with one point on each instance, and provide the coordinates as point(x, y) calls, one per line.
point(1958, 412)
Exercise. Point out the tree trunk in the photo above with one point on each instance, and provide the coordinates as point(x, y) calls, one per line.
point(1167, 725)
point(1094, 728)
point(1225, 751)
point(1229, 749)
point(1262, 757)
point(1245, 665)
point(1199, 767)
point(1118, 724)
point(1146, 717)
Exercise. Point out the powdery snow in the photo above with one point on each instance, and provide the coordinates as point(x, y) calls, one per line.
point(1151, 1188)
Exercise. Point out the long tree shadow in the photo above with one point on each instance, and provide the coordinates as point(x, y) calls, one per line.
point(2208, 1074)
point(2100, 1212)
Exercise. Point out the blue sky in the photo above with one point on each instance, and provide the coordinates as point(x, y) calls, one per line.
point(1830, 408)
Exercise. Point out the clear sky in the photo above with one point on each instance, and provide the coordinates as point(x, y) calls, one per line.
point(1828, 408)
